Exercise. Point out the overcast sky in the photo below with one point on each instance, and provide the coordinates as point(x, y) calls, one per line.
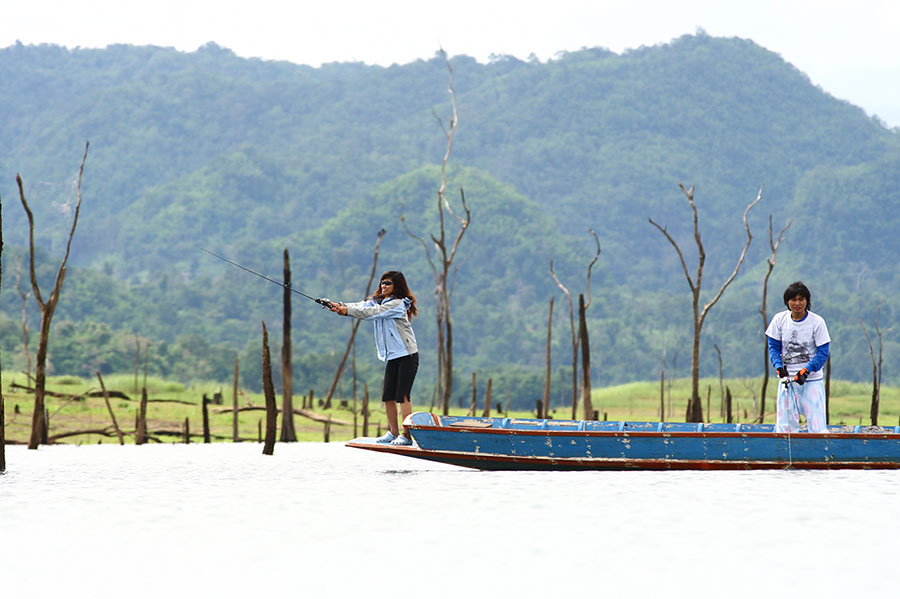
point(851, 48)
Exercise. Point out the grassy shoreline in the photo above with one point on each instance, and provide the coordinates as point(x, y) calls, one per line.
point(849, 404)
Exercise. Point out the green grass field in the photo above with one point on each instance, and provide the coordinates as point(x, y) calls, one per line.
point(849, 404)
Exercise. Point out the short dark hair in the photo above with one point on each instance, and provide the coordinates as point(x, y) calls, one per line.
point(797, 288)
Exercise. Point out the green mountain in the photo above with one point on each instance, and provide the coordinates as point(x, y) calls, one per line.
point(249, 157)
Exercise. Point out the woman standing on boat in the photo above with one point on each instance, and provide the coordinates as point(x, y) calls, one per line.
point(798, 347)
point(391, 308)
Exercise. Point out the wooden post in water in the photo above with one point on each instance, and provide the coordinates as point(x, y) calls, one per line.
point(728, 417)
point(487, 400)
point(585, 359)
point(269, 391)
point(662, 396)
point(539, 409)
point(474, 409)
point(234, 395)
point(365, 410)
point(288, 431)
point(546, 404)
point(140, 435)
point(186, 430)
point(205, 408)
point(109, 407)
point(328, 429)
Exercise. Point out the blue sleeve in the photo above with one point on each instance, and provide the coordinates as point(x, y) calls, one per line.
point(775, 352)
point(819, 360)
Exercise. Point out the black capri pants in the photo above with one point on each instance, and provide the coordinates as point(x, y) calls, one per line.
point(399, 375)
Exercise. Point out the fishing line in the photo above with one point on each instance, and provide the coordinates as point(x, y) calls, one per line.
point(323, 303)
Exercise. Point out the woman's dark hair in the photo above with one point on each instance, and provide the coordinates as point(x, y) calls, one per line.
point(797, 288)
point(399, 290)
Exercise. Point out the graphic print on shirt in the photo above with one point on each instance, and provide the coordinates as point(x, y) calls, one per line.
point(796, 353)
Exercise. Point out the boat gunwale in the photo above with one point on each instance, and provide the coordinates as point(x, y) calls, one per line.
point(656, 434)
point(472, 459)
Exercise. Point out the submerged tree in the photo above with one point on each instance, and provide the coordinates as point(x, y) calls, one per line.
point(695, 407)
point(876, 367)
point(446, 253)
point(288, 431)
point(2, 402)
point(773, 245)
point(575, 337)
point(48, 307)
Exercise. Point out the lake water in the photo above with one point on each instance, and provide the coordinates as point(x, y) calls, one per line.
point(324, 520)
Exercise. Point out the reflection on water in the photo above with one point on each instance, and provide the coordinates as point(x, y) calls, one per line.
point(322, 519)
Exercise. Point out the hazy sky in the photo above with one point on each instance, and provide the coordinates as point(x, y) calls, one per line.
point(851, 48)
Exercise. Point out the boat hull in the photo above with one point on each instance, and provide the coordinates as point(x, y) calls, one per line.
point(531, 444)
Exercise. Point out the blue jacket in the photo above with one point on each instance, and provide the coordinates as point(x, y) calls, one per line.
point(394, 336)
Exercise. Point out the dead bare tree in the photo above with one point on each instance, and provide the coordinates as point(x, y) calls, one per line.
point(876, 367)
point(587, 406)
point(773, 245)
point(546, 405)
point(112, 415)
point(2, 401)
point(38, 424)
point(446, 253)
point(234, 402)
point(575, 338)
point(269, 392)
point(288, 431)
point(26, 330)
point(695, 413)
point(356, 323)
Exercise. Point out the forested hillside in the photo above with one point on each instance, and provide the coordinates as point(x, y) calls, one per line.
point(247, 157)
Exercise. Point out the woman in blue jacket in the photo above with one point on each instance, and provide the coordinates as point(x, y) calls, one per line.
point(391, 308)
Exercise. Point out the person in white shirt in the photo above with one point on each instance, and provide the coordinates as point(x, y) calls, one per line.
point(798, 348)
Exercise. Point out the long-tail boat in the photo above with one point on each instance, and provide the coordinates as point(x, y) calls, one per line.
point(548, 444)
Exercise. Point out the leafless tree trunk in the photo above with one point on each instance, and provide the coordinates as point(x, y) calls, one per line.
point(2, 401)
point(572, 321)
point(696, 405)
point(546, 407)
point(446, 254)
point(876, 367)
point(38, 424)
point(365, 410)
point(140, 434)
point(269, 391)
point(234, 401)
point(112, 415)
point(721, 384)
point(487, 399)
point(137, 360)
point(587, 406)
point(473, 409)
point(204, 412)
point(288, 432)
point(356, 322)
point(773, 245)
point(26, 330)
point(662, 396)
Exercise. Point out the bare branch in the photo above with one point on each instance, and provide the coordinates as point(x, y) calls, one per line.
point(590, 266)
point(664, 231)
point(740, 260)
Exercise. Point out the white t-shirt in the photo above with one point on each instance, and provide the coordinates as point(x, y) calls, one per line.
point(799, 340)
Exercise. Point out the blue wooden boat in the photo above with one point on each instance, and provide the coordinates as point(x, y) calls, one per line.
point(532, 444)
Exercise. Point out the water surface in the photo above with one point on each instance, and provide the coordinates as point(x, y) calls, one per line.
point(325, 520)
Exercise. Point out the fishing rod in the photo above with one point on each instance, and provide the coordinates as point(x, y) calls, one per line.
point(323, 303)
